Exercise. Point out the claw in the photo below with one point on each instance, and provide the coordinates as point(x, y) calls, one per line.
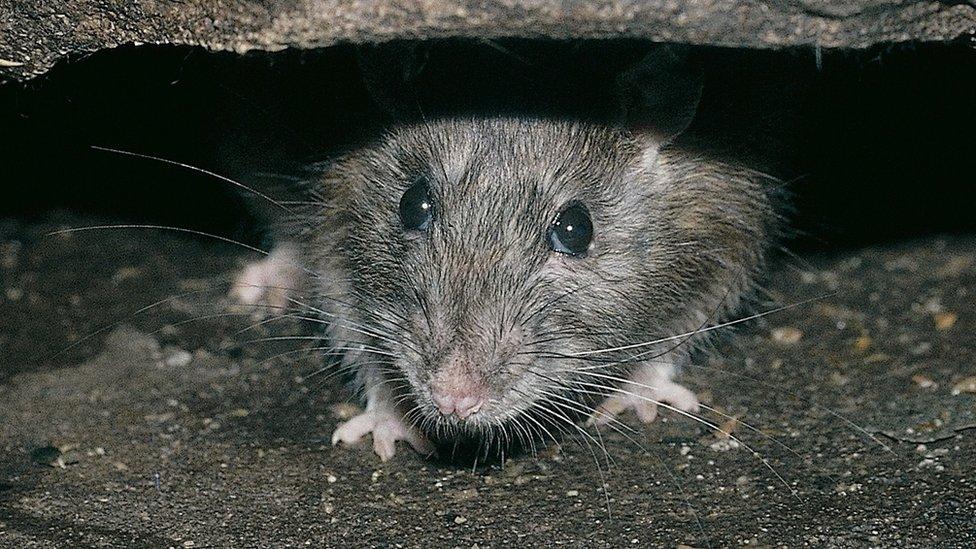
point(386, 427)
point(644, 397)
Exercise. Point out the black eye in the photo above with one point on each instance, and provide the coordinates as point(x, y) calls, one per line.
point(416, 207)
point(572, 230)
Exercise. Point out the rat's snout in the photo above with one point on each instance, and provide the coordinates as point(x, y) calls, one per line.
point(461, 403)
point(455, 390)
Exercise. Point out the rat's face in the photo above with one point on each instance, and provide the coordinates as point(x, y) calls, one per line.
point(488, 259)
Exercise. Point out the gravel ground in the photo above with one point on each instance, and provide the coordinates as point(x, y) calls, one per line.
point(169, 430)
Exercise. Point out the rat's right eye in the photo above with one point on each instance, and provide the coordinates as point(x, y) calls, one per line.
point(572, 231)
point(416, 207)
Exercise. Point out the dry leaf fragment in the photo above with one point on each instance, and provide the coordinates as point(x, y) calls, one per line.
point(726, 429)
point(924, 382)
point(944, 321)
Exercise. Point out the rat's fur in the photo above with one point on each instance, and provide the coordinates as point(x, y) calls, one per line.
point(479, 303)
point(678, 236)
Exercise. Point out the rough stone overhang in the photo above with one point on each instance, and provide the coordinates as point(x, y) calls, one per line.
point(35, 34)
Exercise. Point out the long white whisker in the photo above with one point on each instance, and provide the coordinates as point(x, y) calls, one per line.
point(703, 421)
point(196, 169)
point(703, 330)
point(706, 407)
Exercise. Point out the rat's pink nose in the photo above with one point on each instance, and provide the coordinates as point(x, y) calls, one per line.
point(457, 402)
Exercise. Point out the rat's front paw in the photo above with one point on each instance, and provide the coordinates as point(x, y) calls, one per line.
point(644, 400)
point(268, 281)
point(387, 427)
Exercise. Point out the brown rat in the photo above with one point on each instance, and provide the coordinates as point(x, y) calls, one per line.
point(493, 276)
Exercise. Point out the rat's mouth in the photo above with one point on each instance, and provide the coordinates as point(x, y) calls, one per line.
point(470, 440)
point(502, 425)
point(525, 404)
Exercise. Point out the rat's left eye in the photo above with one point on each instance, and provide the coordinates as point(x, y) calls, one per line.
point(572, 230)
point(416, 207)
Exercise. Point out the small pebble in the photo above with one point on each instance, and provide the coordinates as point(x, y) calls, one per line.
point(9, 252)
point(932, 306)
point(967, 385)
point(944, 321)
point(724, 445)
point(921, 348)
point(787, 335)
point(572, 493)
point(924, 382)
point(177, 358)
point(126, 273)
point(460, 520)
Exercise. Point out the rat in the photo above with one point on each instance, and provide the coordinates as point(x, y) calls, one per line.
point(489, 276)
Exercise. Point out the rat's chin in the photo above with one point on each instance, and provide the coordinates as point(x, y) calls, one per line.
point(498, 418)
point(494, 414)
point(490, 435)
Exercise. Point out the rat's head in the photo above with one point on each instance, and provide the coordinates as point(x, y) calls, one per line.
point(480, 262)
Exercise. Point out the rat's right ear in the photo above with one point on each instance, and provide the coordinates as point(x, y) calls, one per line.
point(659, 96)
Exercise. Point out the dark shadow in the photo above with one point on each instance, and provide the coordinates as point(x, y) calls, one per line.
point(883, 145)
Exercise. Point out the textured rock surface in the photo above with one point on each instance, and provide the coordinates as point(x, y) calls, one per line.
point(35, 35)
point(178, 437)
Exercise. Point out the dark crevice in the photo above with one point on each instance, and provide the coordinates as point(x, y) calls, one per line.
point(882, 147)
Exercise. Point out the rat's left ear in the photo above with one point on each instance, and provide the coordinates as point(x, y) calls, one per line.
point(659, 97)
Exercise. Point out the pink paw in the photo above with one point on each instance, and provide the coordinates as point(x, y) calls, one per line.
point(387, 427)
point(644, 400)
point(268, 281)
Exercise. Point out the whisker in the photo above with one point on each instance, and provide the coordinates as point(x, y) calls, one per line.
point(830, 411)
point(706, 407)
point(196, 169)
point(708, 329)
point(195, 232)
point(131, 316)
point(157, 227)
point(703, 421)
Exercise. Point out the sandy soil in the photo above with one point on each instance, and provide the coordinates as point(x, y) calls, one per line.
point(165, 431)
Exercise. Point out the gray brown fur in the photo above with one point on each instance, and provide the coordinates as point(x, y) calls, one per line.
point(678, 238)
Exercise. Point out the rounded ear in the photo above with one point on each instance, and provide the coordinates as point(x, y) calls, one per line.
point(659, 96)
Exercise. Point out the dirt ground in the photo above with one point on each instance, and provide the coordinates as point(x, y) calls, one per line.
point(171, 427)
